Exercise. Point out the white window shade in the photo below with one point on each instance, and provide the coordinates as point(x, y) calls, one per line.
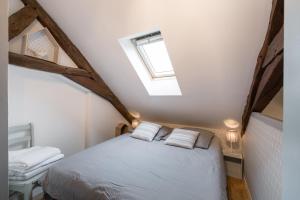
point(154, 54)
point(149, 57)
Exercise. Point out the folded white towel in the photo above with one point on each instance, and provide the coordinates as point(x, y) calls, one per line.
point(20, 172)
point(28, 175)
point(27, 158)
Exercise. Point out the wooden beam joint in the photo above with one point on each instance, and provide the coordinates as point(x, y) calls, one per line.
point(21, 20)
point(43, 65)
point(267, 58)
point(85, 76)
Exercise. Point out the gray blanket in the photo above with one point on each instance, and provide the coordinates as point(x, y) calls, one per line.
point(132, 169)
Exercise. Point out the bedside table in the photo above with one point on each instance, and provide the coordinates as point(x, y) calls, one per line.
point(122, 128)
point(233, 164)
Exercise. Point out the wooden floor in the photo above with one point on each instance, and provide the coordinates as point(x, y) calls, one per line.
point(236, 189)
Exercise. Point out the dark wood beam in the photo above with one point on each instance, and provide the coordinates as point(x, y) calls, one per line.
point(21, 20)
point(62, 39)
point(274, 49)
point(270, 84)
point(276, 21)
point(73, 52)
point(43, 65)
point(275, 24)
point(80, 76)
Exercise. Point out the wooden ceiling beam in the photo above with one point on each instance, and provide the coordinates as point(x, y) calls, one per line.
point(275, 24)
point(96, 83)
point(21, 20)
point(80, 76)
point(270, 84)
point(274, 49)
point(62, 39)
point(43, 65)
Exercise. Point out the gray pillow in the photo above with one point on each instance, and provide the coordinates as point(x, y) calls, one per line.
point(204, 139)
point(182, 138)
point(163, 131)
point(146, 131)
point(166, 136)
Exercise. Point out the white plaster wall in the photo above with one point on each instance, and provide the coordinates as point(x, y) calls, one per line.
point(291, 137)
point(63, 113)
point(56, 108)
point(262, 146)
point(101, 118)
point(3, 99)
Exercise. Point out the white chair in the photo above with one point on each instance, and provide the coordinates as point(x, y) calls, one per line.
point(20, 137)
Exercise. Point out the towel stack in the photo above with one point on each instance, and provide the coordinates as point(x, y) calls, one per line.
point(26, 163)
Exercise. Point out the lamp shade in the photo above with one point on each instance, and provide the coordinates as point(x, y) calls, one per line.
point(135, 123)
point(135, 114)
point(231, 123)
point(232, 136)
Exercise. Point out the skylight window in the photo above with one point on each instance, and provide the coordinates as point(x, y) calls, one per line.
point(149, 57)
point(153, 52)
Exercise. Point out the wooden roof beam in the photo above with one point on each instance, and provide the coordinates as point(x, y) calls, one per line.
point(270, 84)
point(274, 49)
point(21, 20)
point(95, 83)
point(275, 24)
point(80, 76)
point(43, 65)
point(62, 39)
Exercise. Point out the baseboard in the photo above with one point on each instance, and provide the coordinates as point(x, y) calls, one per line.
point(247, 188)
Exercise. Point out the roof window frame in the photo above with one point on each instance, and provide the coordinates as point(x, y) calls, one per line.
point(148, 39)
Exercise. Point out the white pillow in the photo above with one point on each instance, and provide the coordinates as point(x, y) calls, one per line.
point(182, 138)
point(146, 131)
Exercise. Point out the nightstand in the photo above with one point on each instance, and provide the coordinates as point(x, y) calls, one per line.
point(122, 128)
point(233, 164)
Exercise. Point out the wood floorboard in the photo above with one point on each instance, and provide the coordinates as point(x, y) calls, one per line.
point(236, 189)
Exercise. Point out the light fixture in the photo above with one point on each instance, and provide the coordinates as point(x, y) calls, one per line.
point(231, 136)
point(231, 133)
point(231, 123)
point(135, 123)
point(135, 114)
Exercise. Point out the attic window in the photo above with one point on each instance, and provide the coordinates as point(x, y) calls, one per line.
point(149, 57)
point(154, 54)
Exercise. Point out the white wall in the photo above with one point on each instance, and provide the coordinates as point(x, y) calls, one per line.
point(3, 99)
point(291, 137)
point(56, 108)
point(262, 146)
point(101, 118)
point(63, 113)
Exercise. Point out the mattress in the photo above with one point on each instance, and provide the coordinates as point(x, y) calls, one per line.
point(127, 168)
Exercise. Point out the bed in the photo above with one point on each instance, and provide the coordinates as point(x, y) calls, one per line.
point(131, 169)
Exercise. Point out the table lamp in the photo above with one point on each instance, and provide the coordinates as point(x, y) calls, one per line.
point(231, 133)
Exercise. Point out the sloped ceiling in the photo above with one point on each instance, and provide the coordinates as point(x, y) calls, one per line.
point(213, 46)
